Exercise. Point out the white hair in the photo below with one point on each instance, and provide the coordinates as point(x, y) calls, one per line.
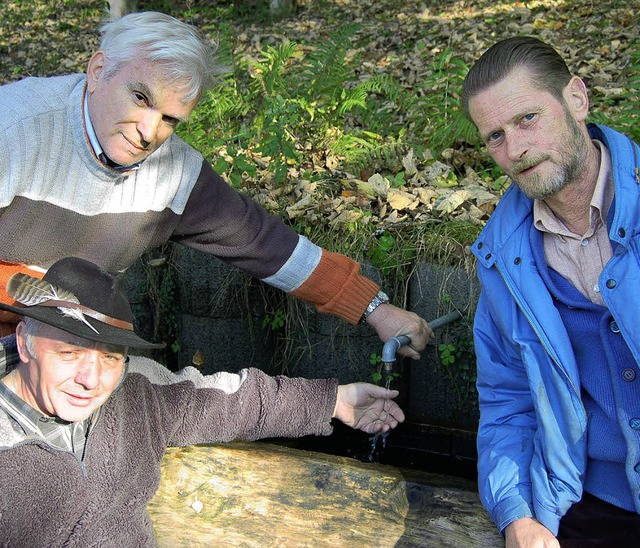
point(32, 328)
point(185, 56)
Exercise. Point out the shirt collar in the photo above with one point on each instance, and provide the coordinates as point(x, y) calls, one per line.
point(545, 220)
point(25, 415)
point(68, 436)
point(95, 144)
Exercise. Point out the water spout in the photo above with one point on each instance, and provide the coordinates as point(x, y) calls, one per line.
point(389, 351)
point(391, 347)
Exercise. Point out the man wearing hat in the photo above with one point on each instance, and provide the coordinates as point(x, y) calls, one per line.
point(81, 438)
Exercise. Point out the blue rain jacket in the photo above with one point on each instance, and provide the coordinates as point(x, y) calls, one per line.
point(532, 450)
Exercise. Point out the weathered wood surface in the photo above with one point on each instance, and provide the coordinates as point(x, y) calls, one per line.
point(262, 495)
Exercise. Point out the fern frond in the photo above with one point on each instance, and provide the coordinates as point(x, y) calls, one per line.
point(353, 98)
point(381, 156)
point(326, 68)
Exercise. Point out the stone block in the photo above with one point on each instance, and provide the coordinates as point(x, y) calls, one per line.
point(209, 287)
point(437, 394)
point(222, 344)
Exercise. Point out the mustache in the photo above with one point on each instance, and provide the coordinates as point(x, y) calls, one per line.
point(528, 163)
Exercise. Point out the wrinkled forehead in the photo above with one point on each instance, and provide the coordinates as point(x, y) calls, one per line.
point(518, 91)
point(160, 78)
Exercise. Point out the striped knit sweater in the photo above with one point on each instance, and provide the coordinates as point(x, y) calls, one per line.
point(57, 199)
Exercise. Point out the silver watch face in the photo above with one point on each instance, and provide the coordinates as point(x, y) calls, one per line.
point(380, 298)
point(383, 296)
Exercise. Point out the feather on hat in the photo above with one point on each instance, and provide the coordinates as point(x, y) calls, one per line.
point(76, 296)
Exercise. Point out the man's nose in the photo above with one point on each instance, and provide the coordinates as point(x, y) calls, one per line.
point(89, 370)
point(148, 127)
point(516, 146)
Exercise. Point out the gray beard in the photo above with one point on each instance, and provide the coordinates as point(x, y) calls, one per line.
point(572, 160)
point(534, 190)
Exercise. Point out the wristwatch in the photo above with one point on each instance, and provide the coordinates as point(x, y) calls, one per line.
point(380, 298)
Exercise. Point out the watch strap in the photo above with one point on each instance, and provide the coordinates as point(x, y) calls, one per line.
point(380, 298)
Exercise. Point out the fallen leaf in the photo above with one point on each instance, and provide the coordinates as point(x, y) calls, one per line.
point(297, 209)
point(399, 199)
point(378, 186)
point(450, 203)
point(346, 217)
point(409, 163)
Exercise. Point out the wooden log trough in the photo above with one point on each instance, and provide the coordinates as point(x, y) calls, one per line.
point(264, 495)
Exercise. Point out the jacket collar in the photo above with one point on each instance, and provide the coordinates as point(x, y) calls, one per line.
point(514, 212)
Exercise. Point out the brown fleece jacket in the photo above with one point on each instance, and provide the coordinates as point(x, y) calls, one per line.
point(49, 498)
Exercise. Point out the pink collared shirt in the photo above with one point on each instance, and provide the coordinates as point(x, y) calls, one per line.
point(580, 258)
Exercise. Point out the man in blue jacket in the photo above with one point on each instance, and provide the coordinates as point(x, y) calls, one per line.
point(557, 329)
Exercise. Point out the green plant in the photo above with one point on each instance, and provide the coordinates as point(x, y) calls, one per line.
point(437, 113)
point(378, 376)
point(397, 180)
point(430, 112)
point(389, 253)
point(376, 362)
point(274, 321)
point(161, 292)
point(378, 155)
point(448, 354)
point(457, 361)
point(286, 101)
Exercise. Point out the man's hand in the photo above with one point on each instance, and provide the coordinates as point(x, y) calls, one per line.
point(391, 321)
point(367, 407)
point(529, 533)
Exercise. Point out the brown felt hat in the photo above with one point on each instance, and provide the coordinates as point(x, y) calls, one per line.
point(78, 297)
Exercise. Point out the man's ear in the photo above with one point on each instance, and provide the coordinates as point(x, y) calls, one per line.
point(94, 70)
point(21, 343)
point(577, 98)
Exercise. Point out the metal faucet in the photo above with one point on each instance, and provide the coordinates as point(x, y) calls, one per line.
point(391, 347)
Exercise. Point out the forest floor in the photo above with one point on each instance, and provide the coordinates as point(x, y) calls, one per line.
point(597, 39)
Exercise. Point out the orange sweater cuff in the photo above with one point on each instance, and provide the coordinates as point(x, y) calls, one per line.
point(337, 287)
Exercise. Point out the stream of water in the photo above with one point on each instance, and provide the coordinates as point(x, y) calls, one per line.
point(381, 439)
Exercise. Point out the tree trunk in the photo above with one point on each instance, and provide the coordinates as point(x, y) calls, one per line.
point(281, 8)
point(118, 8)
point(261, 495)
